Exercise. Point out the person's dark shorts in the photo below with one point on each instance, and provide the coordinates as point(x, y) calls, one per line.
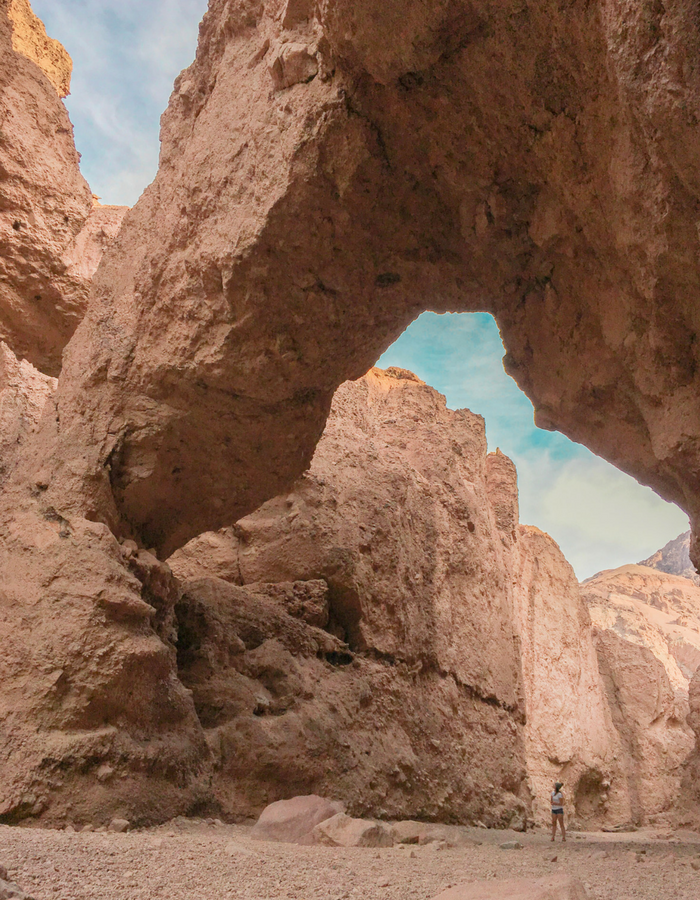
point(557, 812)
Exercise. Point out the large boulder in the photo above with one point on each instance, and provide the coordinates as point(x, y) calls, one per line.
point(556, 887)
point(293, 821)
point(344, 831)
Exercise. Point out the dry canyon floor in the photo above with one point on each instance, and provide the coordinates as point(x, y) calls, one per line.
point(187, 860)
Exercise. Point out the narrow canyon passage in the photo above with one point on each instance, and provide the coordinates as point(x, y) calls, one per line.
point(239, 565)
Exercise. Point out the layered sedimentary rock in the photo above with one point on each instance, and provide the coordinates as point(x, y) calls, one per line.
point(452, 621)
point(674, 558)
point(330, 170)
point(44, 200)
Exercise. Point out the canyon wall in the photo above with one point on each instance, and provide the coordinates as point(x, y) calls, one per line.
point(29, 38)
point(647, 625)
point(437, 592)
point(570, 733)
point(316, 192)
point(414, 708)
point(47, 219)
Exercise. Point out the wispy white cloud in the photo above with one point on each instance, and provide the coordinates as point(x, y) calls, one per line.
point(600, 517)
point(126, 55)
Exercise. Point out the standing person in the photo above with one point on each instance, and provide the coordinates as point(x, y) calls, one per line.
point(558, 811)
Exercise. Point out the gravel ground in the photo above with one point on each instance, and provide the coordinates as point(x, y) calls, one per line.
point(196, 861)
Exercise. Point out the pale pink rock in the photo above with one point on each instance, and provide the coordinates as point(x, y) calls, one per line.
point(292, 821)
point(99, 231)
point(24, 392)
point(343, 831)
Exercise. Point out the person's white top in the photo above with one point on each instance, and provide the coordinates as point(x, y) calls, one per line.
point(557, 800)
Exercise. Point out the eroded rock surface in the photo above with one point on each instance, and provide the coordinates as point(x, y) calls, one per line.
point(414, 528)
point(651, 721)
point(99, 231)
point(30, 39)
point(674, 558)
point(24, 392)
point(570, 732)
point(328, 172)
point(44, 200)
point(653, 609)
point(648, 642)
point(381, 690)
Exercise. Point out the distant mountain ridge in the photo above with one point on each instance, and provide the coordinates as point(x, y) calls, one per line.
point(674, 559)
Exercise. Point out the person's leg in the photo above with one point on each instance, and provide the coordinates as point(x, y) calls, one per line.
point(562, 826)
point(554, 826)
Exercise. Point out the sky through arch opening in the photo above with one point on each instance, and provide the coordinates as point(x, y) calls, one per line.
point(600, 517)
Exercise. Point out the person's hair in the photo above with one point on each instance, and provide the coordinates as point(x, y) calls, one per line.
point(558, 786)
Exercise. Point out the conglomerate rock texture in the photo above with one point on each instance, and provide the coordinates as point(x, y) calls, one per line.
point(328, 171)
point(44, 204)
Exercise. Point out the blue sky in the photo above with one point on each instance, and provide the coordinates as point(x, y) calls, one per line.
point(126, 55)
point(600, 517)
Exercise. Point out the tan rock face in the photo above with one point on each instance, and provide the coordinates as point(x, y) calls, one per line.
point(570, 733)
point(651, 722)
point(23, 395)
point(299, 222)
point(386, 700)
point(414, 528)
point(30, 39)
point(689, 800)
point(648, 643)
point(95, 721)
point(654, 610)
point(101, 228)
point(44, 204)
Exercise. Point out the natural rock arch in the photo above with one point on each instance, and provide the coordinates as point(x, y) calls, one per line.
point(330, 171)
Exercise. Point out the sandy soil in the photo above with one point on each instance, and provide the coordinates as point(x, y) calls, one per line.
point(196, 861)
